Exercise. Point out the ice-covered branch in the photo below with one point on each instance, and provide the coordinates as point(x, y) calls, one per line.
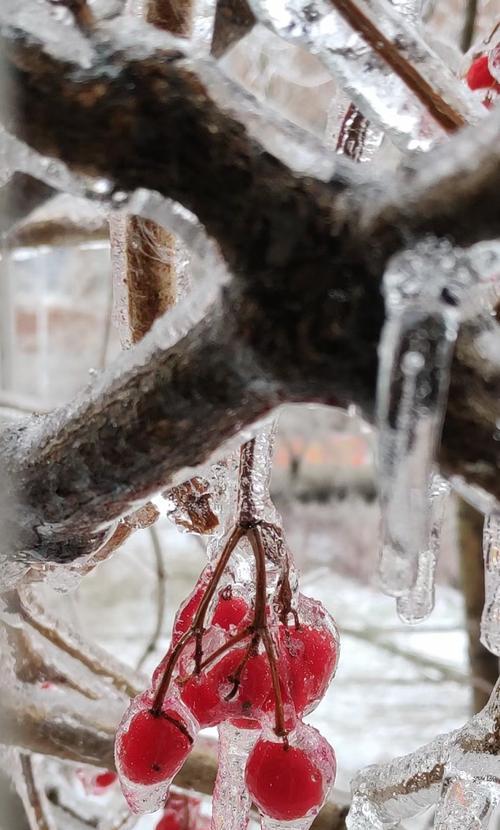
point(301, 319)
point(458, 771)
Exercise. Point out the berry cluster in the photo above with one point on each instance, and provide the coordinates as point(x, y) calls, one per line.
point(259, 660)
point(483, 74)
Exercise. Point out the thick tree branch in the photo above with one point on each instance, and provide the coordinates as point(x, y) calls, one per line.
point(301, 320)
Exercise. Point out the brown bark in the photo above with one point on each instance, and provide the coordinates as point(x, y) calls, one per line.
point(301, 320)
point(233, 20)
point(483, 664)
point(18, 197)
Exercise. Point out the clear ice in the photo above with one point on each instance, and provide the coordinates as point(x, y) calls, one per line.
point(490, 620)
point(423, 289)
point(458, 772)
point(379, 93)
point(231, 802)
point(415, 606)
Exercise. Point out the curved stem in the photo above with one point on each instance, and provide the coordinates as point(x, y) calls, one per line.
point(197, 625)
point(255, 539)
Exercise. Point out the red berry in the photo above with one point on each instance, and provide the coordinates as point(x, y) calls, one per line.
point(189, 607)
point(311, 654)
point(205, 695)
point(479, 75)
point(284, 782)
point(153, 748)
point(170, 821)
point(245, 723)
point(230, 611)
point(103, 780)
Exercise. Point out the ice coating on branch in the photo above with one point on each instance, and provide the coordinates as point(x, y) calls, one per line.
point(255, 475)
point(299, 149)
point(423, 289)
point(490, 620)
point(415, 606)
point(368, 81)
point(459, 772)
point(466, 803)
point(231, 801)
point(52, 25)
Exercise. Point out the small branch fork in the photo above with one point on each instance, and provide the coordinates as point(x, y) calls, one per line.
point(249, 526)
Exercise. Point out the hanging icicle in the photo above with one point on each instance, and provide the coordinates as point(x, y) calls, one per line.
point(415, 606)
point(423, 288)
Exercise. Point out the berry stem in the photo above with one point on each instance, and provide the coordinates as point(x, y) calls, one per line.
point(196, 627)
point(260, 625)
point(237, 638)
point(247, 508)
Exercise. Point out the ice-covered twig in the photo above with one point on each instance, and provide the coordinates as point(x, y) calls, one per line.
point(98, 661)
point(382, 63)
point(490, 620)
point(34, 800)
point(160, 602)
point(387, 793)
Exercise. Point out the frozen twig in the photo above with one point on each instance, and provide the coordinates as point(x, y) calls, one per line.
point(33, 798)
point(98, 661)
point(386, 793)
point(160, 602)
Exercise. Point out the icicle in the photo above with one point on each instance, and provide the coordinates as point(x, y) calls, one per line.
point(231, 802)
point(490, 620)
point(415, 606)
point(423, 288)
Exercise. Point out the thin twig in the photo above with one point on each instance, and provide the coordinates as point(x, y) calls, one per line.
point(161, 604)
point(441, 111)
point(34, 801)
point(469, 26)
point(62, 637)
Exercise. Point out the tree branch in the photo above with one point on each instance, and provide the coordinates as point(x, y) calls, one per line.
point(301, 320)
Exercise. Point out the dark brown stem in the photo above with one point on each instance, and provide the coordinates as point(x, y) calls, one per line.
point(235, 677)
point(246, 357)
point(260, 623)
point(352, 134)
point(440, 110)
point(198, 621)
point(232, 641)
point(247, 508)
